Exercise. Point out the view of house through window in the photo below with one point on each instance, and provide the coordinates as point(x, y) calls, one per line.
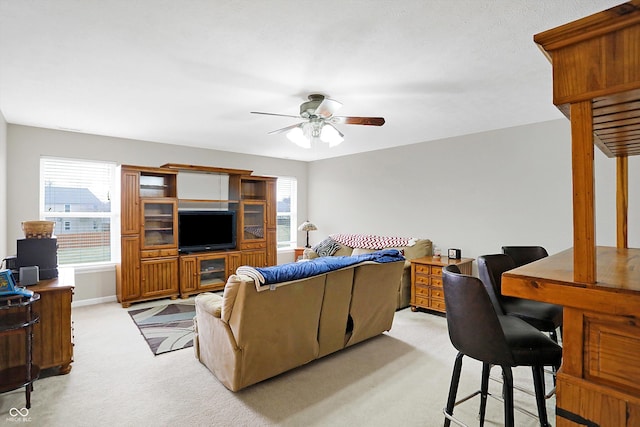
point(287, 218)
point(76, 195)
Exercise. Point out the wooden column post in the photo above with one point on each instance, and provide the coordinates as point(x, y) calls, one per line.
point(582, 152)
point(622, 197)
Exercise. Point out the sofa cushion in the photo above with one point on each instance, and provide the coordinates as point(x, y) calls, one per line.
point(327, 247)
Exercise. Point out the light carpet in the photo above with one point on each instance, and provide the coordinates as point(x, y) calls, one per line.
point(400, 378)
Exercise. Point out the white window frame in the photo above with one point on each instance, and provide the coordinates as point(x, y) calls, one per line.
point(113, 215)
point(293, 214)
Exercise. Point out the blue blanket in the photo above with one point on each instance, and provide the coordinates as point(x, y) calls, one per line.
point(300, 270)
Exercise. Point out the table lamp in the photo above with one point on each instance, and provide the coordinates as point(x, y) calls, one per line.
point(307, 226)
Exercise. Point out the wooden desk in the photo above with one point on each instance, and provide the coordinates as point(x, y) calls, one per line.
point(52, 336)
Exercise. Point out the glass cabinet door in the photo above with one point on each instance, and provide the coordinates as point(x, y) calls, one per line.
point(253, 221)
point(159, 222)
point(213, 272)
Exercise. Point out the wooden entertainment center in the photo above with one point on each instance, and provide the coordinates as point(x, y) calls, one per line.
point(151, 264)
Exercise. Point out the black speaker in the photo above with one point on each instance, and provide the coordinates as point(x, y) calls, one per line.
point(39, 252)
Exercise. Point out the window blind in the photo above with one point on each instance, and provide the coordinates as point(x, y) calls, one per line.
point(77, 196)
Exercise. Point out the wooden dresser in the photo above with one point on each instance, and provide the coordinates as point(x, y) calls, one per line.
point(426, 281)
point(596, 83)
point(53, 334)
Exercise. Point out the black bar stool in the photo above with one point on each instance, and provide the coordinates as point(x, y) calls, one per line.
point(522, 255)
point(544, 316)
point(478, 331)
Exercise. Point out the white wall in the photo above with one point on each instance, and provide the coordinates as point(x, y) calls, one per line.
point(25, 146)
point(475, 192)
point(3, 186)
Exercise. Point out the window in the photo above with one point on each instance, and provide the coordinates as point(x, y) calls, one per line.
point(287, 203)
point(76, 195)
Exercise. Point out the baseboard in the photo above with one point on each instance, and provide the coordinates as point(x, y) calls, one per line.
point(93, 301)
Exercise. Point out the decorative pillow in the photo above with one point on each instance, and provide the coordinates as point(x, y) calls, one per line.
point(327, 247)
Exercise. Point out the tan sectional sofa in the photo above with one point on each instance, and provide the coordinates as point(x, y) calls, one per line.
point(417, 249)
point(248, 335)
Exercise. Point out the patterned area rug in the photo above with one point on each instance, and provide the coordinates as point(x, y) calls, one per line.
point(166, 327)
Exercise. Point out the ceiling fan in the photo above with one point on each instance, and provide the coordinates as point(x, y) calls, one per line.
point(319, 122)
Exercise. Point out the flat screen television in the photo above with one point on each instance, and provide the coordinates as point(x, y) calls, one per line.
point(206, 230)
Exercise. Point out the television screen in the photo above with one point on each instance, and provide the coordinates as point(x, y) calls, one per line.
point(206, 230)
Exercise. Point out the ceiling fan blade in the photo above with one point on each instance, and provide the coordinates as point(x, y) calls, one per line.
point(273, 132)
point(327, 107)
point(368, 121)
point(274, 114)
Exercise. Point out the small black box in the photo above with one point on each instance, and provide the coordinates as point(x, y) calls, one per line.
point(39, 252)
point(454, 253)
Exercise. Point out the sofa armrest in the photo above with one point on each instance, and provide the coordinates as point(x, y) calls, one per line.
point(210, 303)
point(309, 254)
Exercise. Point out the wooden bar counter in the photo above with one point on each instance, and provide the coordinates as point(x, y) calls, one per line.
point(596, 84)
point(53, 334)
point(599, 381)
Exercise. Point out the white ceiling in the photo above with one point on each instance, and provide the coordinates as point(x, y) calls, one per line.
point(189, 71)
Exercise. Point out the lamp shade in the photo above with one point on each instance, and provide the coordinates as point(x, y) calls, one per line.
point(307, 226)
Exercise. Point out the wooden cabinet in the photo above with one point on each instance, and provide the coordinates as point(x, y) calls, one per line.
point(151, 265)
point(256, 258)
point(128, 270)
point(596, 83)
point(234, 260)
point(426, 281)
point(148, 266)
point(205, 272)
point(159, 277)
point(53, 334)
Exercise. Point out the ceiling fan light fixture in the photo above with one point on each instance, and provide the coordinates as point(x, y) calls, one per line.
point(331, 135)
point(299, 136)
point(319, 113)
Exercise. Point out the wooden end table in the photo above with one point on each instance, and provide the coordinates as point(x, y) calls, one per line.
point(297, 253)
point(426, 281)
